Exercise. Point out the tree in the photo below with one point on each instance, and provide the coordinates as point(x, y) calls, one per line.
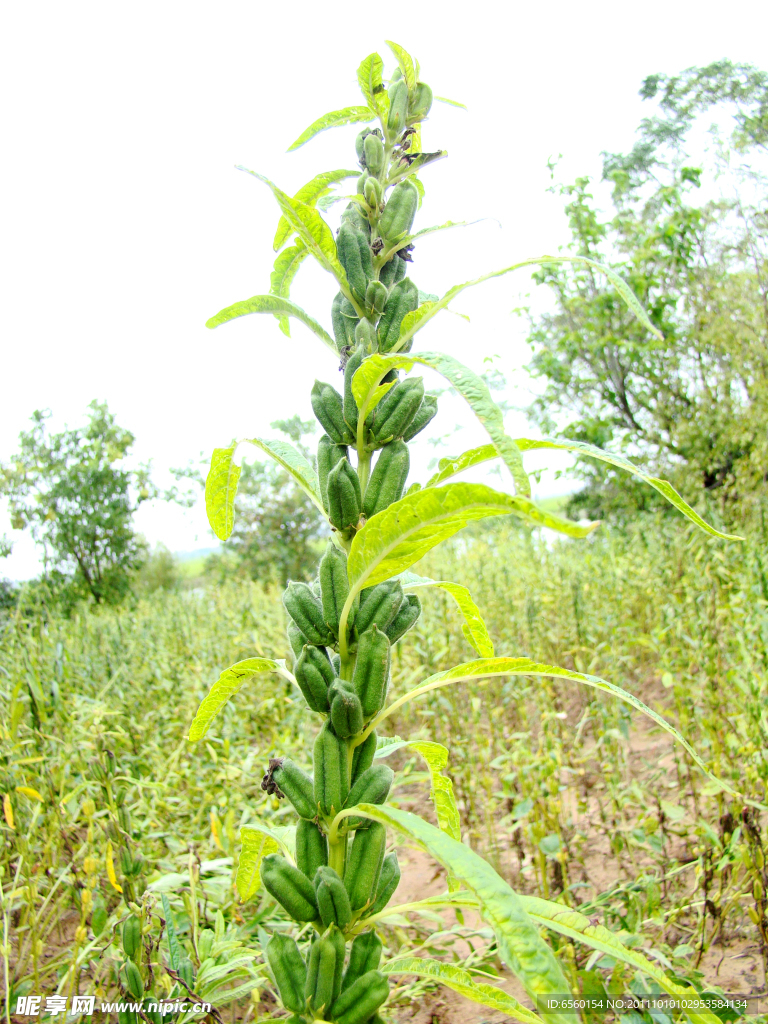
point(68, 490)
point(694, 405)
point(277, 528)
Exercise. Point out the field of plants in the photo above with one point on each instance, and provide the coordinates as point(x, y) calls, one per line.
point(570, 794)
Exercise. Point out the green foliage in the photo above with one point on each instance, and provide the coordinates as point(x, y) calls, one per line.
point(78, 503)
point(689, 232)
point(356, 610)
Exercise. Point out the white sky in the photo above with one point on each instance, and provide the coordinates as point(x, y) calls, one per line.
point(125, 226)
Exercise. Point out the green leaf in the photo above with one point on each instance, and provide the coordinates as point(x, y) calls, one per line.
point(175, 951)
point(369, 76)
point(475, 629)
point(463, 983)
point(402, 240)
point(472, 389)
point(662, 486)
point(309, 194)
point(220, 491)
point(577, 926)
point(520, 945)
point(311, 228)
point(272, 304)
point(486, 667)
point(411, 321)
point(335, 119)
point(257, 841)
point(621, 286)
point(405, 60)
point(294, 463)
point(451, 103)
point(393, 540)
point(448, 467)
point(416, 164)
point(281, 278)
point(227, 685)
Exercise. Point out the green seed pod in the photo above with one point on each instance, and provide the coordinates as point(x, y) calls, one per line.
point(376, 297)
point(389, 879)
point(289, 970)
point(362, 999)
point(366, 855)
point(399, 213)
point(425, 415)
point(349, 406)
point(98, 915)
point(131, 936)
point(403, 299)
point(334, 589)
point(364, 955)
point(344, 501)
point(290, 887)
point(387, 481)
point(356, 219)
point(374, 153)
point(314, 674)
point(296, 638)
point(307, 612)
point(131, 978)
point(328, 407)
point(153, 1016)
point(127, 1017)
point(328, 456)
point(372, 787)
point(379, 605)
point(205, 943)
point(359, 145)
point(398, 107)
point(344, 320)
point(365, 337)
point(420, 102)
point(371, 675)
point(331, 771)
point(346, 712)
point(326, 963)
point(396, 411)
point(332, 899)
point(362, 758)
point(354, 253)
point(392, 272)
point(311, 848)
point(373, 193)
point(297, 786)
point(407, 616)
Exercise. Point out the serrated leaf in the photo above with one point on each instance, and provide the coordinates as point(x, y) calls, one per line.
point(175, 951)
point(621, 286)
point(463, 983)
point(662, 486)
point(272, 304)
point(393, 540)
point(229, 683)
point(311, 228)
point(281, 278)
point(405, 61)
point(519, 943)
point(469, 385)
point(485, 668)
point(451, 103)
point(302, 471)
point(369, 77)
point(475, 630)
point(448, 467)
point(309, 194)
point(220, 491)
point(257, 841)
point(334, 119)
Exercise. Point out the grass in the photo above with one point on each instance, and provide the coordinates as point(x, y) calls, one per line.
point(568, 793)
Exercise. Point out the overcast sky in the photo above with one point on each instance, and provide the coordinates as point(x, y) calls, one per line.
point(125, 225)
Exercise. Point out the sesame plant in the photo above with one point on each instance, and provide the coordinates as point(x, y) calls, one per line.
point(331, 872)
